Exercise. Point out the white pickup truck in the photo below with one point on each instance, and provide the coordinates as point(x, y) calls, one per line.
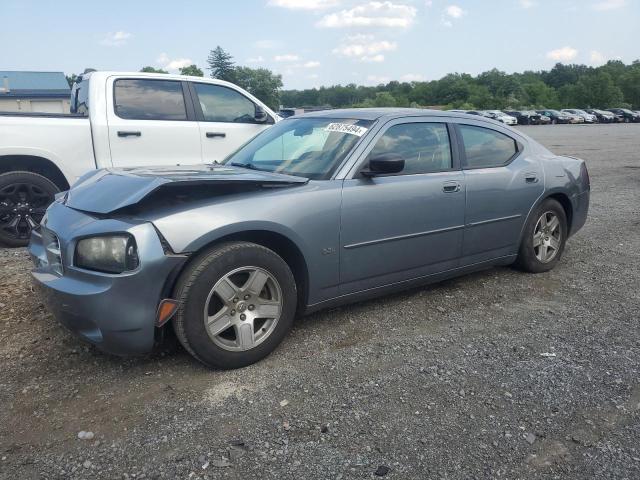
point(117, 120)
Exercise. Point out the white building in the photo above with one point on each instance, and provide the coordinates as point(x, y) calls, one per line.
point(46, 92)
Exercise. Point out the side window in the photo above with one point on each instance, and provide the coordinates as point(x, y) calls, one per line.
point(222, 104)
point(486, 148)
point(137, 99)
point(425, 147)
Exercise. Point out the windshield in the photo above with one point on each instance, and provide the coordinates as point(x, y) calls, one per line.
point(306, 147)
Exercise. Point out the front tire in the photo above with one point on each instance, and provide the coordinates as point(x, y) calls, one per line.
point(237, 301)
point(544, 238)
point(24, 198)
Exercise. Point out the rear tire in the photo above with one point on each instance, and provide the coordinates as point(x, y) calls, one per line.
point(237, 301)
point(544, 238)
point(24, 198)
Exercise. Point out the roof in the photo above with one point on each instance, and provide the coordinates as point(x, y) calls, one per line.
point(390, 113)
point(34, 84)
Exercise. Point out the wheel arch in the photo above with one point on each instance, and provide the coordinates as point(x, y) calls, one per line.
point(35, 164)
point(283, 246)
point(562, 198)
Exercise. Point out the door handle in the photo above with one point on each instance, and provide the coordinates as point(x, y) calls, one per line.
point(451, 187)
point(531, 178)
point(216, 134)
point(124, 133)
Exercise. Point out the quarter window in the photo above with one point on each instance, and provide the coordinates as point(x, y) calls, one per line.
point(486, 148)
point(222, 104)
point(425, 147)
point(137, 99)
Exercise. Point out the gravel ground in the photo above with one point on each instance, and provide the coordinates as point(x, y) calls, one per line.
point(499, 374)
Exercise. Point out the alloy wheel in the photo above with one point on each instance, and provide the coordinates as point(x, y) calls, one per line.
point(243, 308)
point(547, 237)
point(22, 206)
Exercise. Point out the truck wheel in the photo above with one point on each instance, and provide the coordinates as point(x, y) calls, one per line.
point(24, 198)
point(237, 301)
point(544, 237)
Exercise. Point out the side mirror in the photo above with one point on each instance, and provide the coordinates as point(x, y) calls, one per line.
point(260, 115)
point(384, 164)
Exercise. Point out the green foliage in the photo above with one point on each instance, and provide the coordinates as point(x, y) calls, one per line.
point(192, 70)
point(564, 86)
point(261, 82)
point(221, 65)
point(152, 70)
point(71, 79)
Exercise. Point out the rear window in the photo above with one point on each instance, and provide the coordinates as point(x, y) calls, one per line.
point(486, 148)
point(80, 98)
point(140, 99)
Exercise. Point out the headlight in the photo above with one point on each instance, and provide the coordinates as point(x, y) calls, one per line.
point(110, 254)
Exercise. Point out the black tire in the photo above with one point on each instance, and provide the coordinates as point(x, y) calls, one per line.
point(24, 197)
point(527, 259)
point(554, 122)
point(193, 290)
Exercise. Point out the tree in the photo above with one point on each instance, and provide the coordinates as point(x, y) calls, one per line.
point(192, 70)
point(221, 65)
point(71, 79)
point(152, 70)
point(261, 82)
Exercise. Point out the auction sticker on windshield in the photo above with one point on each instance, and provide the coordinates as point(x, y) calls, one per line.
point(346, 128)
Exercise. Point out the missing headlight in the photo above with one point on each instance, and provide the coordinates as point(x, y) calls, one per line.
point(108, 254)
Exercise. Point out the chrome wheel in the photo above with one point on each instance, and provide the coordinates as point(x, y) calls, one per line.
point(243, 308)
point(547, 237)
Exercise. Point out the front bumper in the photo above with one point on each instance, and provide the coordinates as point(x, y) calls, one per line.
point(114, 312)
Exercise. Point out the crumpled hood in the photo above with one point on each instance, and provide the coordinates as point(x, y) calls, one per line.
point(104, 191)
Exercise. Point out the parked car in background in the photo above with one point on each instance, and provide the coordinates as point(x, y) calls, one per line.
point(544, 120)
point(525, 117)
point(625, 114)
point(501, 117)
point(478, 112)
point(555, 116)
point(588, 117)
point(319, 210)
point(118, 120)
point(573, 118)
point(603, 116)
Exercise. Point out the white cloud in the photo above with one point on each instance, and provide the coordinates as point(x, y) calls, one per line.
point(116, 39)
point(528, 4)
point(311, 64)
point(596, 57)
point(364, 48)
point(266, 44)
point(173, 64)
point(454, 11)
point(304, 4)
point(563, 54)
point(313, 76)
point(428, 3)
point(371, 14)
point(258, 59)
point(412, 77)
point(609, 5)
point(287, 57)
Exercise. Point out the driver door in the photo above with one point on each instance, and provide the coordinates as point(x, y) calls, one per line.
point(226, 120)
point(405, 225)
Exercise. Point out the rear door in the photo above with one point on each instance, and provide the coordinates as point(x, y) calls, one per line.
point(152, 123)
point(503, 183)
point(227, 119)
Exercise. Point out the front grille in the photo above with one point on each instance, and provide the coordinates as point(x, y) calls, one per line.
point(52, 248)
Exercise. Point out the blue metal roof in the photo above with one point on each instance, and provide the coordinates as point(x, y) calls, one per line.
point(34, 84)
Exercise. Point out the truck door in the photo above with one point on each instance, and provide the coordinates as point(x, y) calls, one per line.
point(151, 123)
point(228, 119)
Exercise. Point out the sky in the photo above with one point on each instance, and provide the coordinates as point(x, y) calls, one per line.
point(320, 42)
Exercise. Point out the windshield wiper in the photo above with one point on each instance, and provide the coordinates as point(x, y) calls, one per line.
point(249, 166)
